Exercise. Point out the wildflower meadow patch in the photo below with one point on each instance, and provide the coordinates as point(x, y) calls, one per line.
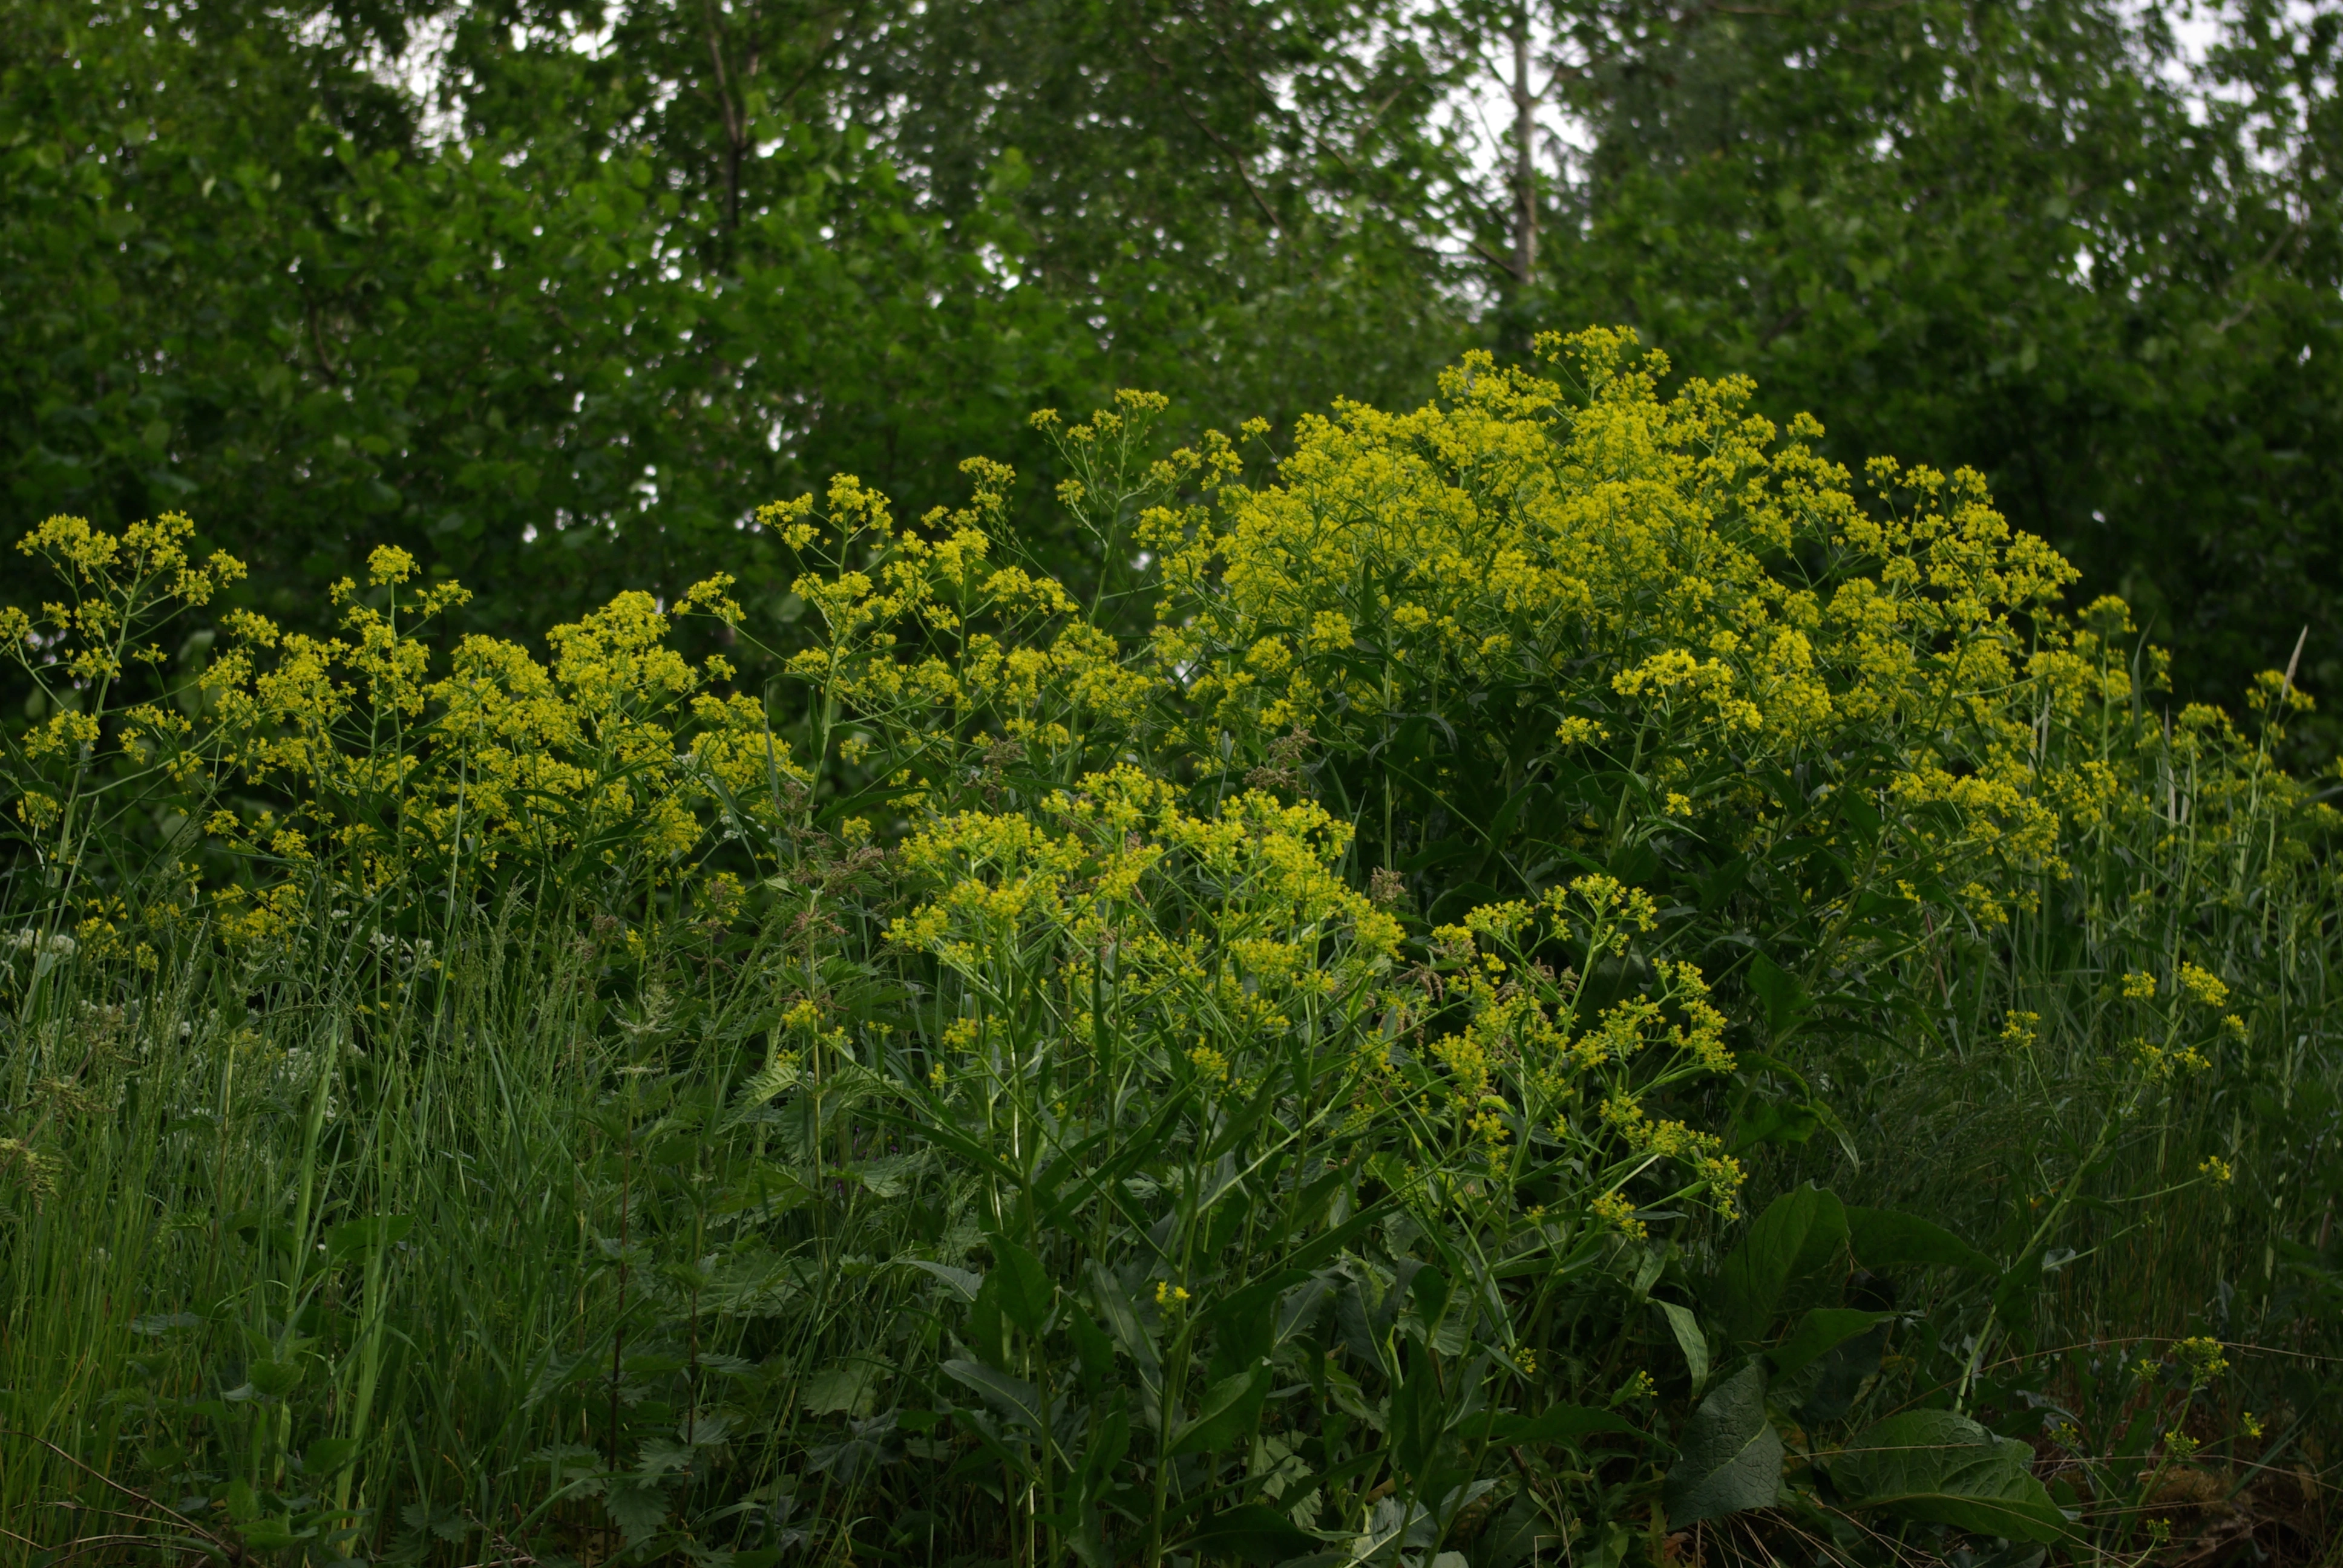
point(1555, 981)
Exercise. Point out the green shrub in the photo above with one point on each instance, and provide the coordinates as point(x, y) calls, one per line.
point(1282, 1087)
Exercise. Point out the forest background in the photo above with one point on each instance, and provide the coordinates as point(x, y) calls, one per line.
point(555, 296)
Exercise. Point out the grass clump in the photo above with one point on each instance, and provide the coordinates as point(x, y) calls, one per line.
point(1553, 983)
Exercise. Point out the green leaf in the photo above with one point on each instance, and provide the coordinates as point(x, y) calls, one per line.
point(1886, 1239)
point(1094, 1470)
point(1416, 1411)
point(1935, 1465)
point(988, 1325)
point(329, 1454)
point(1122, 1320)
point(276, 1534)
point(1784, 997)
point(1691, 1339)
point(1255, 1532)
point(1026, 1293)
point(1228, 1408)
point(851, 1388)
point(1012, 1397)
point(1244, 1322)
point(1558, 1423)
point(965, 1283)
point(360, 1237)
point(637, 1510)
point(274, 1378)
point(1095, 1351)
point(1732, 1457)
point(1324, 1245)
point(1819, 1333)
point(1775, 1122)
point(1795, 1255)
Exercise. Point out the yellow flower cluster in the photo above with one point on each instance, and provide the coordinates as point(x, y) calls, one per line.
point(1222, 919)
point(379, 766)
point(1611, 553)
point(924, 633)
point(1532, 1044)
point(503, 757)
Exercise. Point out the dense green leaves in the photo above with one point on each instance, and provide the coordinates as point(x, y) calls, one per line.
point(561, 320)
point(2032, 239)
point(563, 328)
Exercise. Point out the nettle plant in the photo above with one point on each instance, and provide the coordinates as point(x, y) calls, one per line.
point(1275, 1086)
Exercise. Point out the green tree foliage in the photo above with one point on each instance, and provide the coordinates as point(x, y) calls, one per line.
point(632, 269)
point(647, 284)
point(2029, 239)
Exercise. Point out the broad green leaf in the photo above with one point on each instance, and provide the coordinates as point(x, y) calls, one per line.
point(1818, 1332)
point(276, 1534)
point(1026, 1292)
point(274, 1378)
point(637, 1510)
point(964, 1282)
point(1784, 997)
point(1887, 1238)
point(1227, 1409)
point(849, 1388)
point(1012, 1397)
point(1415, 1411)
point(1325, 1244)
point(1795, 1255)
point(1244, 1322)
point(329, 1454)
point(1094, 1470)
point(1429, 1291)
point(1091, 1346)
point(1122, 1320)
point(1935, 1465)
point(1731, 1455)
point(1255, 1532)
point(359, 1237)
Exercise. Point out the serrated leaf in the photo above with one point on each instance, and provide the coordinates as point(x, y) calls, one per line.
point(780, 1073)
point(1732, 1457)
point(637, 1510)
point(848, 1389)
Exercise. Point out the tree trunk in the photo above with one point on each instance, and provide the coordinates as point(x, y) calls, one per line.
point(1525, 214)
